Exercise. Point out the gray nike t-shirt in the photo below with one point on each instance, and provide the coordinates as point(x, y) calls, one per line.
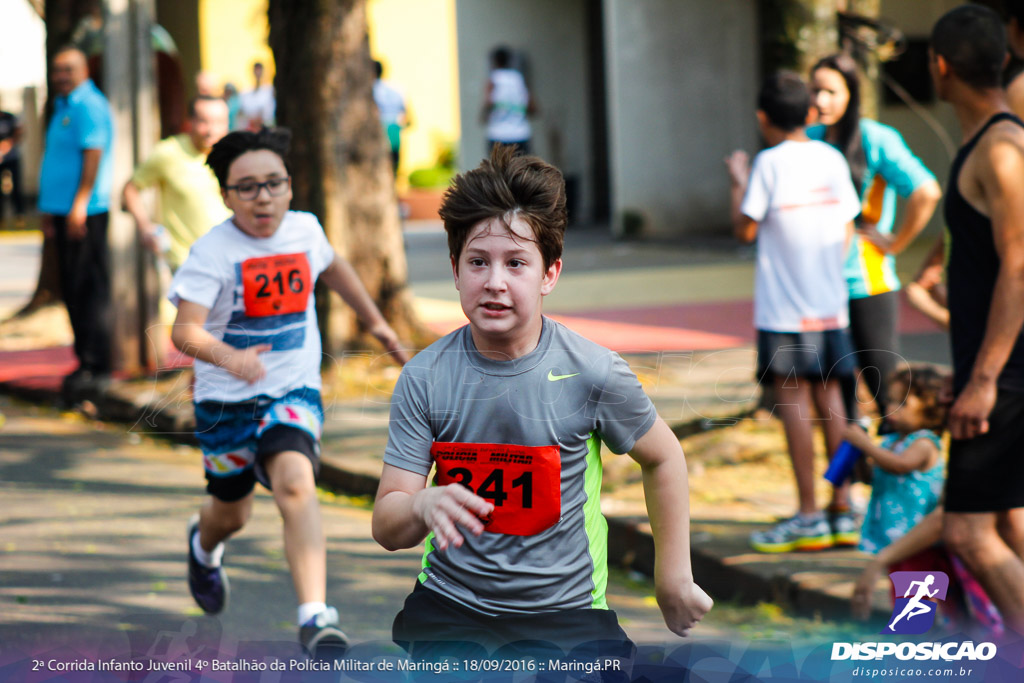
point(524, 434)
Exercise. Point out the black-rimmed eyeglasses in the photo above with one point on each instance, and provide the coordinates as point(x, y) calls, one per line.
point(251, 190)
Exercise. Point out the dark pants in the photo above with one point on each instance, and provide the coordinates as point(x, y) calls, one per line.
point(85, 284)
point(396, 157)
point(431, 627)
point(874, 324)
point(14, 166)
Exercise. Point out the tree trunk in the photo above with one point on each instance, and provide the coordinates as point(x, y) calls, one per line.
point(868, 60)
point(340, 169)
point(796, 33)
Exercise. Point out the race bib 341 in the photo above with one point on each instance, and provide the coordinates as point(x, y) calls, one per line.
point(523, 482)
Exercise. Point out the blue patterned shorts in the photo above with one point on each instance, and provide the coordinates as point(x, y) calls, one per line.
point(236, 437)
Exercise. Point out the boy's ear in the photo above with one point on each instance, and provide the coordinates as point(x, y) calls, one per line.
point(812, 116)
point(455, 270)
point(941, 65)
point(551, 278)
point(763, 124)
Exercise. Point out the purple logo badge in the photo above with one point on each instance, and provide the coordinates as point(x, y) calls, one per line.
point(917, 594)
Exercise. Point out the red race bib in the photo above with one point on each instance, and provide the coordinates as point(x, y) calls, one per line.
point(523, 482)
point(275, 285)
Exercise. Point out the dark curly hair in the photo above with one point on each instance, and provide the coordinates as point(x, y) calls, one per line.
point(234, 145)
point(926, 383)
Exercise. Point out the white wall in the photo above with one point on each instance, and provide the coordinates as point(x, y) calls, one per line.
point(22, 46)
point(552, 35)
point(683, 80)
point(23, 80)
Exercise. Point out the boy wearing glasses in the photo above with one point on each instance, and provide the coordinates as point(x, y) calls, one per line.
point(246, 314)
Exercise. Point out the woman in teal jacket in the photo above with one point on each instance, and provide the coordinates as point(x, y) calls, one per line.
point(882, 167)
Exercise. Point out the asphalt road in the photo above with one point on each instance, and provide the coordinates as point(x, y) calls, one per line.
point(93, 549)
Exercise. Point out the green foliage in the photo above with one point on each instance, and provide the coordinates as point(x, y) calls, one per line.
point(433, 177)
point(441, 173)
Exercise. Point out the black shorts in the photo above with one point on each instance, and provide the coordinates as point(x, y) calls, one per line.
point(986, 473)
point(432, 626)
point(814, 355)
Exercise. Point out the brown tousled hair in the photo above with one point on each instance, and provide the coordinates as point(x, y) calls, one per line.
point(926, 382)
point(503, 186)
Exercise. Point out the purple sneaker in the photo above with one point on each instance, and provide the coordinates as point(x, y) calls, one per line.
point(208, 585)
point(321, 637)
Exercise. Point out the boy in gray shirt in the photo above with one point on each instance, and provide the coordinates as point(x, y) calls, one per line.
point(509, 411)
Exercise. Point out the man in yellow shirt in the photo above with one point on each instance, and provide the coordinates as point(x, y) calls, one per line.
point(190, 200)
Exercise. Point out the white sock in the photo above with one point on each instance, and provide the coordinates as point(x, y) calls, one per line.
point(308, 610)
point(207, 559)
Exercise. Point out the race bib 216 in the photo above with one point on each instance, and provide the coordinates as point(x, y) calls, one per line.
point(275, 285)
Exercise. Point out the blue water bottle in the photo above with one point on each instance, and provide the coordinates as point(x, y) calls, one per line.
point(842, 463)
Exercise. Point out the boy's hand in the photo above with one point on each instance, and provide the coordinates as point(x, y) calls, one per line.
point(683, 604)
point(389, 340)
point(738, 164)
point(443, 507)
point(246, 363)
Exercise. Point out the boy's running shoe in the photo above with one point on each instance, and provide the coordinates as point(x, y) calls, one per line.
point(844, 526)
point(321, 637)
point(208, 585)
point(792, 534)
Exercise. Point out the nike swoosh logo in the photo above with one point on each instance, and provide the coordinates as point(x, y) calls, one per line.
point(552, 377)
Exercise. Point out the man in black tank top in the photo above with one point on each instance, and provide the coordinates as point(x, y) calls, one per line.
point(984, 211)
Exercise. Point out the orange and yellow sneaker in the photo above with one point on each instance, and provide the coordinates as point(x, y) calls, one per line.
point(797, 533)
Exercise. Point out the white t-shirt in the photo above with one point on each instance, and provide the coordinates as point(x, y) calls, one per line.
point(390, 102)
point(510, 99)
point(802, 197)
point(256, 108)
point(259, 291)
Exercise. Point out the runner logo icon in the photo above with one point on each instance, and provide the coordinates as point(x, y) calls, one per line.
point(917, 594)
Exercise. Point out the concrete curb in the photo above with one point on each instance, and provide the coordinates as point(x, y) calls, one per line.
point(630, 543)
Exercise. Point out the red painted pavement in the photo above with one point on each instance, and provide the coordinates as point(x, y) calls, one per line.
point(37, 368)
point(45, 369)
point(680, 327)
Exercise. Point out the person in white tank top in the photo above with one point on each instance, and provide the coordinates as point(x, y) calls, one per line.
point(507, 103)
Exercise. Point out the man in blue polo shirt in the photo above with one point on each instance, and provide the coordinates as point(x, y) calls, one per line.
point(74, 197)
